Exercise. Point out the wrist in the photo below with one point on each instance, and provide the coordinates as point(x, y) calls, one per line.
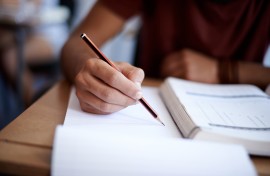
point(228, 72)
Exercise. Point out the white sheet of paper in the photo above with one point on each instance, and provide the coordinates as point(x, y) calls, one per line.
point(135, 119)
point(132, 142)
point(95, 151)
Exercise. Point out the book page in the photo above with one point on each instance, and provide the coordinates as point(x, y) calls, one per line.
point(231, 106)
point(216, 90)
point(94, 151)
point(243, 114)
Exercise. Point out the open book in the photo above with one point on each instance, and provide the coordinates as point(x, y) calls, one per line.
point(132, 142)
point(237, 114)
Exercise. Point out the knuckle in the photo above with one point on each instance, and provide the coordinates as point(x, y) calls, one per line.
point(80, 83)
point(79, 80)
point(84, 107)
point(89, 63)
point(104, 107)
point(136, 74)
point(106, 95)
point(122, 64)
point(89, 109)
point(113, 77)
point(130, 73)
point(140, 72)
point(184, 53)
point(78, 94)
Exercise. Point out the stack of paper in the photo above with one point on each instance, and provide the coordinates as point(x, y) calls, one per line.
point(131, 142)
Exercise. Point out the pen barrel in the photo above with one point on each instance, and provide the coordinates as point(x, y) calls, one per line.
point(97, 51)
point(148, 107)
point(104, 58)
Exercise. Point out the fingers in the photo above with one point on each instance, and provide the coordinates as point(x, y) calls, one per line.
point(132, 73)
point(102, 89)
point(91, 103)
point(136, 75)
point(190, 65)
point(116, 79)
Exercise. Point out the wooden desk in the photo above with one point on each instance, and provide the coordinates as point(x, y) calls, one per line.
point(26, 143)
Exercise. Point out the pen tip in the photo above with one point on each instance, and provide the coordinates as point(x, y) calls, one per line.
point(160, 121)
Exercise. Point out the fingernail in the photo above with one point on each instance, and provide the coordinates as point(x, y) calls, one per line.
point(138, 85)
point(135, 103)
point(138, 95)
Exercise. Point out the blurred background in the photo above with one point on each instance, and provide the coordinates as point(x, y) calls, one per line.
point(32, 33)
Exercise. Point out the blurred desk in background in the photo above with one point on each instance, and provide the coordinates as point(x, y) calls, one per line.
point(20, 22)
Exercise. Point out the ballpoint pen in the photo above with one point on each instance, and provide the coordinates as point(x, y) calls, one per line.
point(104, 58)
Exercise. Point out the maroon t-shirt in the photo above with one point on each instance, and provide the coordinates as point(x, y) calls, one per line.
point(228, 29)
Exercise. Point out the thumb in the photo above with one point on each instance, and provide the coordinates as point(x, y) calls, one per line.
point(134, 74)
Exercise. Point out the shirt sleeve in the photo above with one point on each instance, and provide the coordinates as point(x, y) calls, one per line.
point(123, 8)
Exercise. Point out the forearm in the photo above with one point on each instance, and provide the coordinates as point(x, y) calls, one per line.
point(100, 25)
point(73, 57)
point(253, 73)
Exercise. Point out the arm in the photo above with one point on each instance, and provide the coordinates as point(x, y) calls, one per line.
point(100, 25)
point(100, 88)
point(195, 66)
point(254, 73)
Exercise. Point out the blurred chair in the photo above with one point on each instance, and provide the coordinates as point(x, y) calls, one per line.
point(49, 21)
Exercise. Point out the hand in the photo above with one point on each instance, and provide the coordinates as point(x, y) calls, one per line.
point(101, 89)
point(190, 65)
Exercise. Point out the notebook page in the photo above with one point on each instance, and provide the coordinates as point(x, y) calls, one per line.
point(117, 153)
point(134, 117)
